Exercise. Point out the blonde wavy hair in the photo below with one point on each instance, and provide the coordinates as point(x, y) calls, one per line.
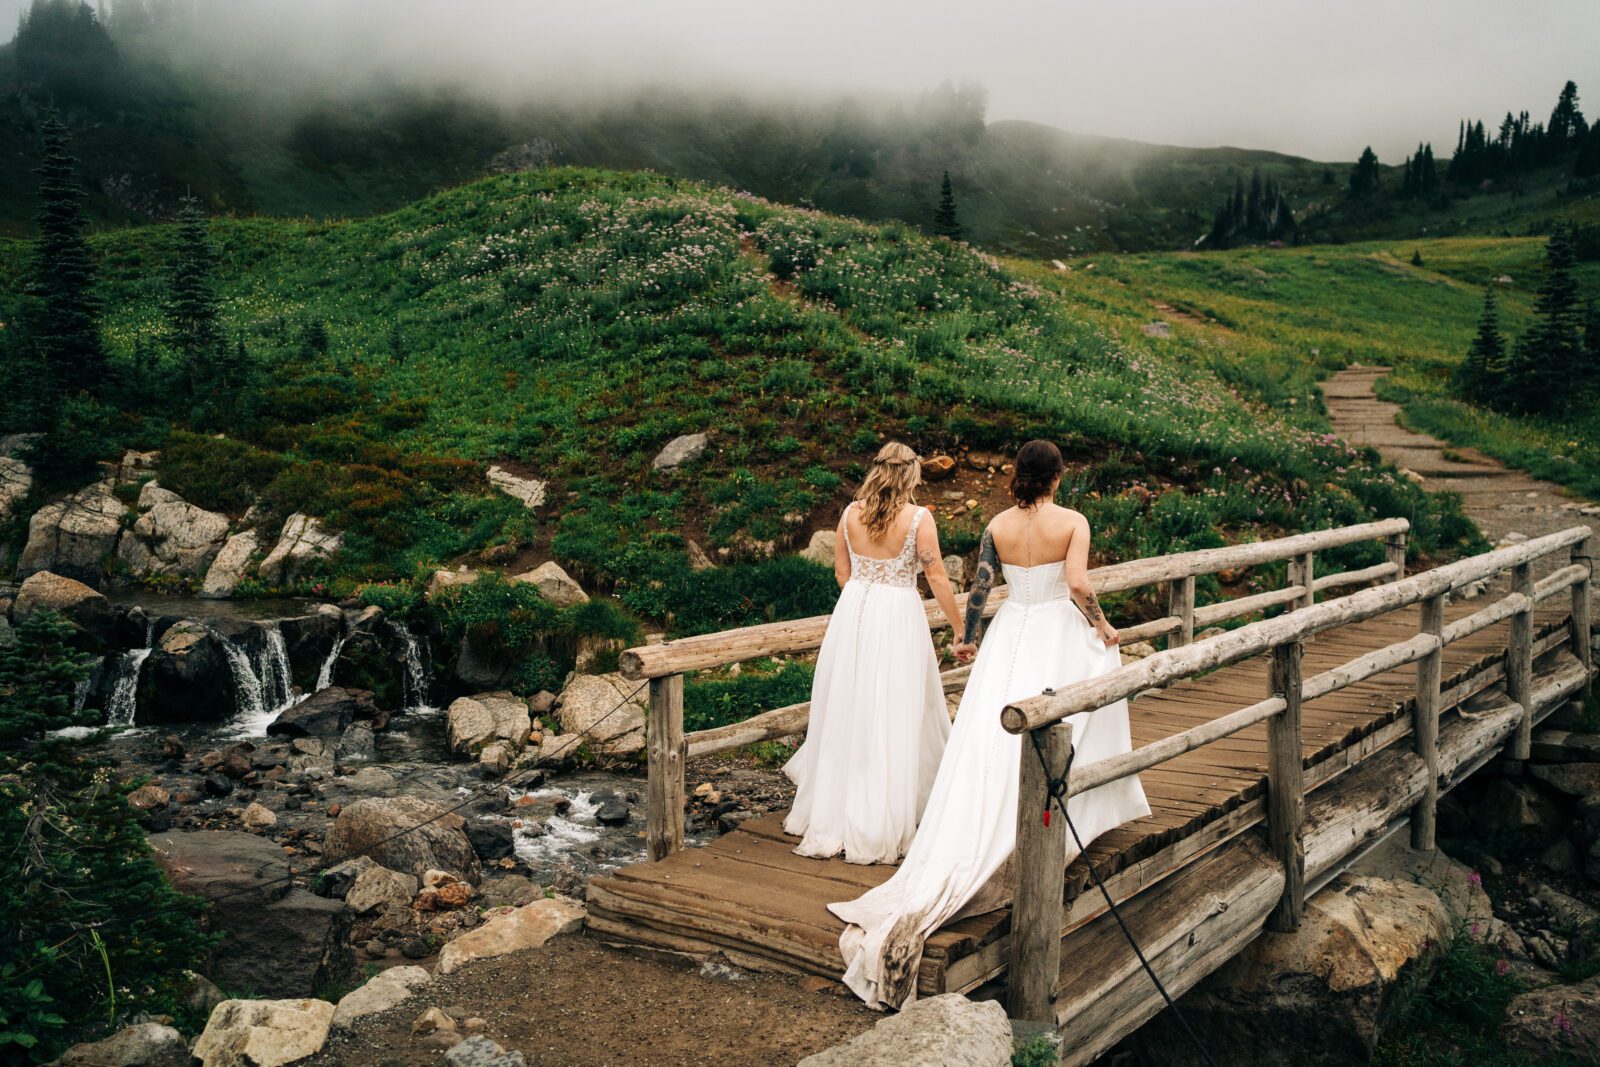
point(890, 484)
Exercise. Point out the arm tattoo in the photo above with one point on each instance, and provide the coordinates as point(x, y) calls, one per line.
point(982, 582)
point(1091, 610)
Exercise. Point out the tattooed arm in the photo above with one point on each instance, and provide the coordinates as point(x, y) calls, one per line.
point(933, 568)
point(1077, 572)
point(982, 583)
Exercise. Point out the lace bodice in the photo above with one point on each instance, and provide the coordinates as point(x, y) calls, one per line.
point(898, 570)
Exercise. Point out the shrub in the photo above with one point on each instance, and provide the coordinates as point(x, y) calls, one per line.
point(717, 703)
point(217, 473)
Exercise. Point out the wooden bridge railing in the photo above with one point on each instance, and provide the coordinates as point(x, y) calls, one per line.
point(1035, 929)
point(667, 748)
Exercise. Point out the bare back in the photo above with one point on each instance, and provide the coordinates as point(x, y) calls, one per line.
point(1042, 534)
point(886, 547)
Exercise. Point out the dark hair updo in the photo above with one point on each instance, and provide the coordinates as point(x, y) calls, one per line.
point(1038, 465)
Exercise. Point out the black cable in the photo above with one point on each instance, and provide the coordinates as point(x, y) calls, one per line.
point(1057, 788)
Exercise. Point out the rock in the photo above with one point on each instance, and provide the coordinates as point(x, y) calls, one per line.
point(358, 742)
point(173, 538)
point(680, 450)
point(229, 566)
point(415, 948)
point(388, 989)
point(368, 827)
point(325, 713)
point(1517, 811)
point(528, 490)
point(527, 927)
point(187, 677)
point(1561, 857)
point(495, 760)
point(609, 705)
point(820, 548)
point(937, 468)
point(491, 838)
point(476, 721)
point(16, 481)
point(85, 608)
point(149, 797)
point(1137, 650)
point(337, 881)
point(377, 888)
point(151, 494)
point(370, 781)
point(258, 817)
point(1458, 887)
point(1560, 1021)
point(140, 1045)
point(264, 1033)
point(555, 585)
point(698, 560)
point(949, 1030)
point(956, 568)
point(479, 1051)
point(72, 537)
point(277, 940)
point(217, 785)
point(431, 1020)
point(1573, 779)
point(302, 542)
point(1567, 913)
point(1315, 996)
point(1566, 746)
point(611, 812)
point(449, 579)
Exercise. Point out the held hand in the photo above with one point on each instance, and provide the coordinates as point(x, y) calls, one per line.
point(1108, 634)
point(963, 652)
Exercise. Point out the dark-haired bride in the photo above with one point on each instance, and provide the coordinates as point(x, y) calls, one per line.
point(1049, 633)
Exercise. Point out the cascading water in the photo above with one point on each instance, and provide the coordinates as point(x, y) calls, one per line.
point(80, 692)
point(416, 677)
point(123, 701)
point(325, 675)
point(277, 678)
point(248, 694)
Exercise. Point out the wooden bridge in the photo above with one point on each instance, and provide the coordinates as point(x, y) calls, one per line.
point(1272, 755)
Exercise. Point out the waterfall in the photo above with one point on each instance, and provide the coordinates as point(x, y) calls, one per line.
point(248, 694)
point(123, 701)
point(277, 678)
point(325, 676)
point(416, 676)
point(80, 691)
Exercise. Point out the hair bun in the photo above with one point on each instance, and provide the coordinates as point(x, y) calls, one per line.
point(1039, 463)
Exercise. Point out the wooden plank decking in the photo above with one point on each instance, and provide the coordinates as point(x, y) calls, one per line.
point(748, 896)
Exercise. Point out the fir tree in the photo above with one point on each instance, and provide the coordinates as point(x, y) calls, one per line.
point(1428, 174)
point(65, 324)
point(1552, 352)
point(1567, 128)
point(1482, 374)
point(1591, 349)
point(1416, 258)
point(192, 304)
point(945, 223)
point(1364, 178)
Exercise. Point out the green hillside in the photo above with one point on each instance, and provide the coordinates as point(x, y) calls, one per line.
point(568, 323)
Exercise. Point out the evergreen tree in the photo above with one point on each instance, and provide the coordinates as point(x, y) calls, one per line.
point(1591, 349)
point(1416, 258)
point(1428, 174)
point(1408, 184)
point(1552, 353)
point(1587, 165)
point(1567, 128)
point(1254, 220)
point(1482, 374)
point(1364, 178)
point(65, 322)
point(192, 303)
point(945, 223)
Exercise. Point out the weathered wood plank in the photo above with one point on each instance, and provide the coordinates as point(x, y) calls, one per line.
point(664, 795)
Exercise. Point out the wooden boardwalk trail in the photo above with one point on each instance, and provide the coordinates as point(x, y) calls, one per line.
point(747, 896)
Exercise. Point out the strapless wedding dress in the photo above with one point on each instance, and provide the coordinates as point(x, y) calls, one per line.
point(1037, 640)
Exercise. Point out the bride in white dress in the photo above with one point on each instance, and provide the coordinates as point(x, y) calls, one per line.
point(1049, 633)
point(878, 717)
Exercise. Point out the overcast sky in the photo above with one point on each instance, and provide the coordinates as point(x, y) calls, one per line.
point(1319, 78)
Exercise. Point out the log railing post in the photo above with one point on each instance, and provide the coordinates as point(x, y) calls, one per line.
point(1394, 549)
point(1041, 875)
point(1425, 726)
point(665, 749)
point(1302, 572)
point(1581, 637)
point(1519, 662)
point(1286, 795)
point(1180, 602)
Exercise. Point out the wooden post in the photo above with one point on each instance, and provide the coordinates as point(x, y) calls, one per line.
point(1581, 636)
point(1286, 794)
point(1302, 571)
point(1519, 662)
point(1395, 549)
point(665, 746)
point(1425, 726)
point(1180, 602)
point(1041, 874)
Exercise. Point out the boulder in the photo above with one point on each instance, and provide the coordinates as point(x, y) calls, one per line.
point(188, 677)
point(937, 468)
point(16, 481)
point(263, 1033)
point(609, 705)
point(555, 585)
point(1315, 996)
point(309, 639)
point(956, 568)
point(388, 989)
point(302, 542)
point(477, 721)
point(680, 450)
point(448, 579)
point(173, 538)
point(337, 881)
point(949, 1030)
point(151, 494)
point(277, 940)
point(481, 1051)
point(373, 659)
point(140, 1045)
point(495, 760)
point(1516, 811)
point(368, 826)
point(325, 713)
point(820, 548)
point(149, 797)
point(698, 560)
point(528, 490)
point(378, 889)
point(370, 781)
point(258, 817)
point(85, 608)
point(477, 667)
point(1573, 779)
point(358, 742)
point(522, 928)
point(1566, 746)
point(491, 838)
point(1556, 1022)
point(229, 566)
point(74, 536)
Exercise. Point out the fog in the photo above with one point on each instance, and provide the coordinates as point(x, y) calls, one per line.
point(1313, 79)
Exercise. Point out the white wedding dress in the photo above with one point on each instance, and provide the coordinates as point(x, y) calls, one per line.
point(1037, 640)
point(878, 717)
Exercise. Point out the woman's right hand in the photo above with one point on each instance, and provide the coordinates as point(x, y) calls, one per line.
point(964, 651)
point(1108, 634)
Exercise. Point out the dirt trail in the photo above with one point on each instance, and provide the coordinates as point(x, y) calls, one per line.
point(1500, 499)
